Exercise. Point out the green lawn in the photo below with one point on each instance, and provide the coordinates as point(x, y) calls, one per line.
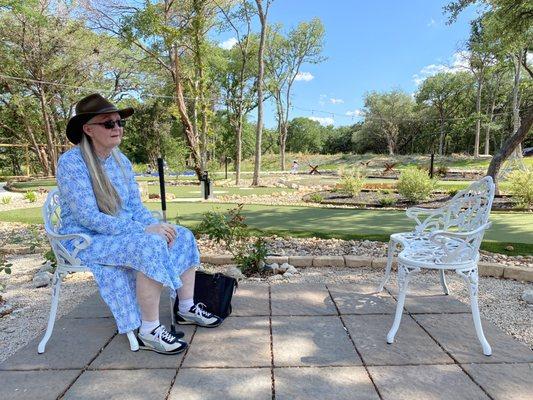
point(507, 228)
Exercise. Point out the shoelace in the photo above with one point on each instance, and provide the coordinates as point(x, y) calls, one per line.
point(199, 310)
point(162, 333)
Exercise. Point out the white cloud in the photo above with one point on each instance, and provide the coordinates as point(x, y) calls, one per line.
point(336, 101)
point(458, 63)
point(355, 113)
point(228, 44)
point(304, 76)
point(325, 121)
point(432, 22)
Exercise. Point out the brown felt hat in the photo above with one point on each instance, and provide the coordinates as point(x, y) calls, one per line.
point(87, 108)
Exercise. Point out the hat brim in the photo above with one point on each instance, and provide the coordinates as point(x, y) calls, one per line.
point(75, 124)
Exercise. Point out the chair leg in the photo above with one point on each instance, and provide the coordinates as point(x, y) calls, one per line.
point(56, 289)
point(390, 255)
point(404, 273)
point(443, 282)
point(471, 278)
point(134, 344)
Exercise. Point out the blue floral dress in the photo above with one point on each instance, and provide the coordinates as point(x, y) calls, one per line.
point(120, 247)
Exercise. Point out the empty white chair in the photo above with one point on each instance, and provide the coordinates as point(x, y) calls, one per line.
point(447, 239)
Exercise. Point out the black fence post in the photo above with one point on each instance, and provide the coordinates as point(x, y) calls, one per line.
point(431, 165)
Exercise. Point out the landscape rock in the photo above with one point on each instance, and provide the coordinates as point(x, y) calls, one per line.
point(527, 296)
point(42, 279)
point(234, 272)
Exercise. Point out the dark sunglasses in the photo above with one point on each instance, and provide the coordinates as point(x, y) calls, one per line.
point(121, 123)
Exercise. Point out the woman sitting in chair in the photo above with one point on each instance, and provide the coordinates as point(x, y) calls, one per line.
point(132, 255)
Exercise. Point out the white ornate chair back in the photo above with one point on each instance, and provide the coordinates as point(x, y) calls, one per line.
point(469, 209)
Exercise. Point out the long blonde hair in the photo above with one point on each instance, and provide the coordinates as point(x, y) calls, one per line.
point(107, 197)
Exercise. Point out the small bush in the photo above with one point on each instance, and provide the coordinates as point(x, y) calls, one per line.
point(316, 198)
point(521, 187)
point(352, 181)
point(387, 201)
point(249, 258)
point(30, 196)
point(442, 170)
point(453, 192)
point(6, 199)
point(415, 185)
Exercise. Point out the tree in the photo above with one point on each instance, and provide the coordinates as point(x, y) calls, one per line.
point(263, 14)
point(446, 93)
point(284, 59)
point(172, 36)
point(49, 54)
point(385, 112)
point(239, 76)
point(306, 135)
point(508, 24)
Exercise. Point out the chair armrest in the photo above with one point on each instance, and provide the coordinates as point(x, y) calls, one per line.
point(460, 235)
point(80, 241)
point(433, 220)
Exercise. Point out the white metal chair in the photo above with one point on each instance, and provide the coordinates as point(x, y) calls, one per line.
point(66, 261)
point(447, 239)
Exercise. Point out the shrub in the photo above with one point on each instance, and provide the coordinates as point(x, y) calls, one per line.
point(250, 257)
point(442, 170)
point(6, 199)
point(352, 181)
point(30, 196)
point(453, 192)
point(231, 230)
point(387, 201)
point(415, 185)
point(521, 187)
point(316, 198)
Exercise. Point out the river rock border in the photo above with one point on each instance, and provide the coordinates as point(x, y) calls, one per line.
point(485, 269)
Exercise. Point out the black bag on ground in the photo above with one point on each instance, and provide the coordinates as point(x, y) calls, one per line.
point(215, 291)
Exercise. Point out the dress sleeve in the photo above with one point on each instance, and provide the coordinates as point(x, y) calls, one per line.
point(140, 212)
point(76, 189)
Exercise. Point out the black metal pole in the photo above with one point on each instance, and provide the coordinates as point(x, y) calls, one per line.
point(161, 172)
point(226, 167)
point(431, 165)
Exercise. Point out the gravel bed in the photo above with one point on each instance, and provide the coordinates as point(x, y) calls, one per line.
point(31, 306)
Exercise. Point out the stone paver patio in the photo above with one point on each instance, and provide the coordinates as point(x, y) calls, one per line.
point(290, 341)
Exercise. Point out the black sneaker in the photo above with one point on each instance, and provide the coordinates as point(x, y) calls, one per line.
point(161, 341)
point(197, 315)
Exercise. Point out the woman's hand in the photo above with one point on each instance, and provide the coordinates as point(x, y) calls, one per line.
point(163, 229)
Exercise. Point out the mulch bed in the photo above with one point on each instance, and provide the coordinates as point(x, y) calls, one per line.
point(375, 199)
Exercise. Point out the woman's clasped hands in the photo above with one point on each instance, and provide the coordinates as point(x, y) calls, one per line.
point(163, 229)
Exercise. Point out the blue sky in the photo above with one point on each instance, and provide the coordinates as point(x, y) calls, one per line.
point(376, 45)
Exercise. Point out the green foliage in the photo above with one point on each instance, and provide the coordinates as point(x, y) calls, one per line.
point(49, 256)
point(31, 196)
point(316, 198)
point(415, 185)
point(387, 201)
point(6, 199)
point(305, 135)
point(452, 192)
point(250, 257)
point(442, 170)
point(5, 267)
point(352, 181)
point(231, 230)
point(521, 187)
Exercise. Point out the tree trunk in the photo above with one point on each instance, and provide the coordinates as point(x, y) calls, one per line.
point(487, 134)
point(260, 77)
point(478, 111)
point(511, 144)
point(441, 137)
point(517, 60)
point(190, 134)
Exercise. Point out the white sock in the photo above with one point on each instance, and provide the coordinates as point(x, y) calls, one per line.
point(185, 305)
point(148, 326)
